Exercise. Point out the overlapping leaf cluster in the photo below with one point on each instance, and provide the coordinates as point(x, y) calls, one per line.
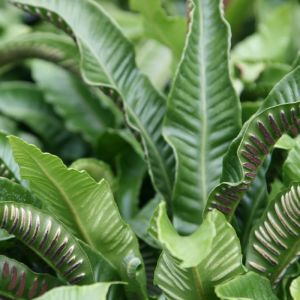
point(142, 156)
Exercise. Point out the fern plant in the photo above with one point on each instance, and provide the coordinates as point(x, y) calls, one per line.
point(223, 219)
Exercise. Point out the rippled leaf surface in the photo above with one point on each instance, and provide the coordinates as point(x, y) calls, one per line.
point(84, 206)
point(203, 114)
point(274, 243)
point(190, 267)
point(107, 58)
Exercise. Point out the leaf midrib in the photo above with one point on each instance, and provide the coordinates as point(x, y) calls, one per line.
point(203, 166)
point(198, 283)
point(67, 201)
point(141, 128)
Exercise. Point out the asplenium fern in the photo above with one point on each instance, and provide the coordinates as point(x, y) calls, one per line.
point(209, 231)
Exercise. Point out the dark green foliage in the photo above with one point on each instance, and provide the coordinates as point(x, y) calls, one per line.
point(183, 178)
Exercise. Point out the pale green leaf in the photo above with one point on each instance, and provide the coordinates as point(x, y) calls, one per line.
point(203, 115)
point(250, 286)
point(97, 291)
point(190, 267)
point(285, 142)
point(87, 208)
point(295, 289)
point(97, 169)
point(198, 243)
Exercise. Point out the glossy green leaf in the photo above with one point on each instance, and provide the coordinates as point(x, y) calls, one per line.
point(97, 291)
point(84, 206)
point(203, 113)
point(73, 101)
point(47, 46)
point(278, 114)
point(49, 239)
point(169, 31)
point(19, 282)
point(162, 230)
point(274, 242)
point(295, 289)
point(108, 57)
point(97, 169)
point(24, 102)
point(290, 168)
point(249, 286)
point(286, 143)
point(190, 267)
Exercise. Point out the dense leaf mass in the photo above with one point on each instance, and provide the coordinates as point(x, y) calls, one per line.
point(149, 150)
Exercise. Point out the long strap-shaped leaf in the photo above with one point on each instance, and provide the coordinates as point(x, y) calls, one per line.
point(48, 46)
point(19, 282)
point(203, 115)
point(107, 56)
point(190, 267)
point(275, 243)
point(279, 114)
point(86, 207)
point(49, 239)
